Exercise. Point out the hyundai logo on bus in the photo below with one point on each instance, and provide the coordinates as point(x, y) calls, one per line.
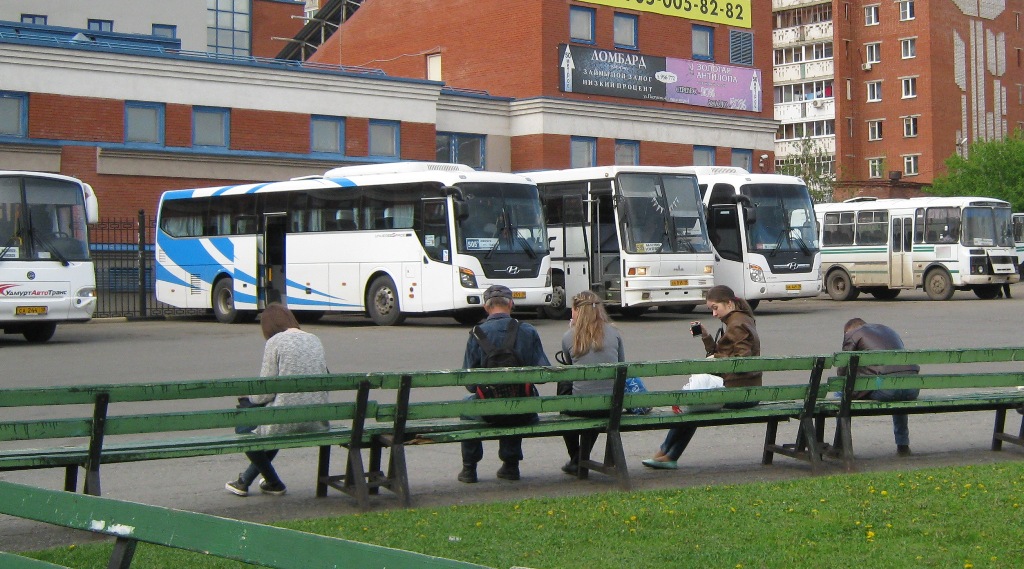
point(792, 266)
point(511, 269)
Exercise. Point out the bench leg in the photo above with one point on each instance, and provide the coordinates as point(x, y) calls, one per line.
point(844, 440)
point(997, 443)
point(770, 434)
point(398, 474)
point(92, 480)
point(355, 477)
point(323, 471)
point(71, 478)
point(121, 556)
point(374, 472)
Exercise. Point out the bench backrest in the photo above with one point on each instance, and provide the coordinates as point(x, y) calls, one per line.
point(968, 378)
point(247, 542)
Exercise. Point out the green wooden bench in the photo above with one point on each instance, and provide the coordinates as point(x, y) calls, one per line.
point(439, 421)
point(131, 523)
point(78, 438)
point(12, 561)
point(969, 389)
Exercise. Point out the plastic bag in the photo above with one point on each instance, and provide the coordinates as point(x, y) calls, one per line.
point(636, 385)
point(701, 381)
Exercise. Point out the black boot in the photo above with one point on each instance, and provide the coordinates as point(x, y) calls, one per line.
point(509, 471)
point(468, 474)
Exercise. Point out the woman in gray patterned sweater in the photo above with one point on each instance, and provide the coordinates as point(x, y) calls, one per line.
point(288, 351)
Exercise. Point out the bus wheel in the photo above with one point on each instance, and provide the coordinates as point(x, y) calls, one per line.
point(558, 309)
point(987, 292)
point(678, 308)
point(224, 302)
point(753, 303)
point(382, 302)
point(938, 285)
point(839, 286)
point(633, 311)
point(308, 316)
point(39, 333)
point(885, 293)
point(469, 316)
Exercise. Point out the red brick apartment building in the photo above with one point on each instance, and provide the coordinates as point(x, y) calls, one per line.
point(504, 85)
point(918, 81)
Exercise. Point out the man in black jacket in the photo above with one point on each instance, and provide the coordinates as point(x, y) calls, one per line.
point(858, 336)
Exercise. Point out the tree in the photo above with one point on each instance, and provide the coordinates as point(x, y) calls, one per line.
point(815, 166)
point(992, 169)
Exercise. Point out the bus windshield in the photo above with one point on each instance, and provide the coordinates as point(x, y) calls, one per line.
point(502, 218)
point(662, 213)
point(785, 219)
point(48, 224)
point(987, 226)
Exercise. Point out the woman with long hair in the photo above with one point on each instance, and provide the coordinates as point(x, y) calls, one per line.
point(738, 338)
point(591, 339)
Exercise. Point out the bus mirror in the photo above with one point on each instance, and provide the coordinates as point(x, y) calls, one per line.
point(455, 192)
point(551, 240)
point(750, 214)
point(92, 206)
point(460, 209)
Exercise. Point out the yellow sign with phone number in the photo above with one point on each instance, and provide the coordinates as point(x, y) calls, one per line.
point(730, 12)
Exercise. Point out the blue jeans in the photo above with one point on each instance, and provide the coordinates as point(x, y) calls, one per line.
point(900, 426)
point(678, 438)
point(510, 449)
point(260, 464)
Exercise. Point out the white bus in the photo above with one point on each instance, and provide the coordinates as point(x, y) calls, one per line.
point(763, 232)
point(635, 235)
point(385, 239)
point(1018, 241)
point(883, 246)
point(46, 273)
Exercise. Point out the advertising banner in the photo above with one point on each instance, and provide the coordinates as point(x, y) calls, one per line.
point(729, 12)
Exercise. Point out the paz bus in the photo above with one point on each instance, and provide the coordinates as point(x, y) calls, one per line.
point(635, 235)
point(387, 240)
point(762, 228)
point(1018, 240)
point(46, 273)
point(941, 244)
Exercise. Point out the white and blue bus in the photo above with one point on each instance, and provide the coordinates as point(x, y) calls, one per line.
point(941, 244)
point(635, 235)
point(762, 228)
point(46, 272)
point(387, 240)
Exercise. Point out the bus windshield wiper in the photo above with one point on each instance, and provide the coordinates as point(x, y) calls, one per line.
point(8, 245)
point(48, 245)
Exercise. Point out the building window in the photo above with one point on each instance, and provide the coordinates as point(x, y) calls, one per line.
point(327, 134)
point(625, 31)
point(581, 24)
point(741, 47)
point(582, 152)
point(384, 138)
point(874, 91)
point(703, 42)
point(910, 126)
point(228, 26)
point(743, 158)
point(101, 25)
point(211, 127)
point(703, 155)
point(627, 152)
point(871, 15)
point(434, 67)
point(873, 53)
point(143, 123)
point(909, 87)
point(908, 48)
point(13, 114)
point(906, 10)
point(461, 148)
point(911, 165)
point(38, 19)
point(875, 167)
point(875, 130)
point(165, 31)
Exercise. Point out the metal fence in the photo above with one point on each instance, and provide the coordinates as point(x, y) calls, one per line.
point(123, 256)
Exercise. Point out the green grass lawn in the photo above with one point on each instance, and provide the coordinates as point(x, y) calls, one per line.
point(960, 517)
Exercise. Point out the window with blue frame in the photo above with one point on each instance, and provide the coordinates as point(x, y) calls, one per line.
point(165, 31)
point(144, 123)
point(743, 158)
point(625, 31)
point(703, 155)
point(461, 148)
point(703, 42)
point(384, 138)
point(327, 134)
point(37, 19)
point(211, 127)
point(228, 26)
point(582, 152)
point(581, 24)
point(101, 25)
point(13, 114)
point(627, 152)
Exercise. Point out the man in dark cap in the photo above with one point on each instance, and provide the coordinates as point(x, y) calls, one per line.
point(498, 305)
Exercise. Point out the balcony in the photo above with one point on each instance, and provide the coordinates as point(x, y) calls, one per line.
point(803, 71)
point(822, 144)
point(780, 5)
point(798, 111)
point(802, 34)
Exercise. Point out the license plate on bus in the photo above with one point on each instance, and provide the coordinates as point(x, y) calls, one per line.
point(518, 294)
point(793, 287)
point(679, 282)
point(27, 310)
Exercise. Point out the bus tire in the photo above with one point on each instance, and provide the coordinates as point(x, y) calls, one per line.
point(469, 316)
point(753, 303)
point(839, 286)
point(677, 308)
point(223, 299)
point(308, 316)
point(987, 292)
point(885, 293)
point(938, 284)
point(633, 311)
point(39, 333)
point(559, 307)
point(382, 305)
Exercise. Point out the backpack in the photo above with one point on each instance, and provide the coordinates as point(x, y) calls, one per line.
point(503, 356)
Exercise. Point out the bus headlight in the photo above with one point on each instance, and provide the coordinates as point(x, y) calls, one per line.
point(979, 265)
point(709, 269)
point(756, 273)
point(467, 278)
point(85, 296)
point(637, 271)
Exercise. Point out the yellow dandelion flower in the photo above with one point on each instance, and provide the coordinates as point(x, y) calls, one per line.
point(968, 565)
point(885, 493)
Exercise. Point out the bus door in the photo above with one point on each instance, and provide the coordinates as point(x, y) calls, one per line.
point(725, 227)
point(572, 244)
point(605, 274)
point(901, 258)
point(270, 274)
point(436, 267)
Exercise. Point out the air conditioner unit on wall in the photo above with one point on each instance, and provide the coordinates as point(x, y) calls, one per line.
point(866, 67)
point(817, 103)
